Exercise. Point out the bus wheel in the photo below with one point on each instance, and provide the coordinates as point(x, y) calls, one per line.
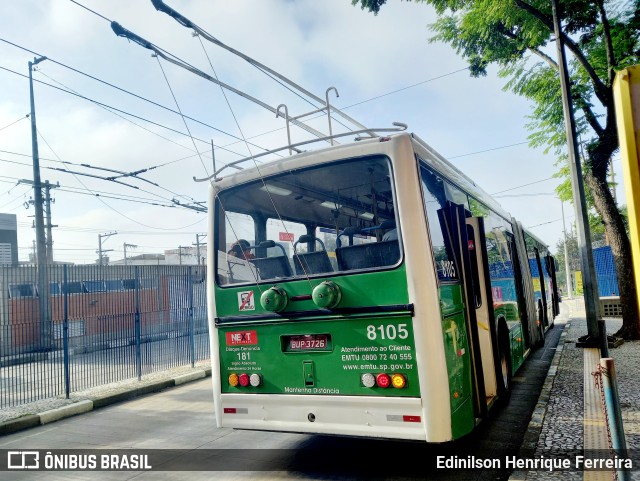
point(504, 352)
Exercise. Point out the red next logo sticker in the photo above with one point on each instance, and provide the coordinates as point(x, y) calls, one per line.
point(242, 338)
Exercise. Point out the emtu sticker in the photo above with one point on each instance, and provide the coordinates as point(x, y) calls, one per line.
point(246, 301)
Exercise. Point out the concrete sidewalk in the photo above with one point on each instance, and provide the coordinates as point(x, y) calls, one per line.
point(49, 410)
point(566, 418)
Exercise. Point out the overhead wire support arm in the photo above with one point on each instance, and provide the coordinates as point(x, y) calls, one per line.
point(120, 31)
point(196, 207)
point(163, 7)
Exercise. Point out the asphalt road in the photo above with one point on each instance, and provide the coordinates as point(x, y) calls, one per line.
point(182, 419)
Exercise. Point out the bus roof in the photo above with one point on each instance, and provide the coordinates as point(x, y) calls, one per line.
point(356, 149)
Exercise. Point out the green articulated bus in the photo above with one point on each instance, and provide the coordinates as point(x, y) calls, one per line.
point(369, 289)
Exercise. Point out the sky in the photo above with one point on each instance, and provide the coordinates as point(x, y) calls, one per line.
point(383, 67)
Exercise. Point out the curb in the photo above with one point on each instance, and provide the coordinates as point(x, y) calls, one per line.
point(87, 405)
point(532, 435)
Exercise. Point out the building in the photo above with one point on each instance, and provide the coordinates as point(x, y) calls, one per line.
point(141, 260)
point(8, 239)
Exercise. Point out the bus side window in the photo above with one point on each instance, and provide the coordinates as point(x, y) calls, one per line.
point(473, 253)
point(435, 199)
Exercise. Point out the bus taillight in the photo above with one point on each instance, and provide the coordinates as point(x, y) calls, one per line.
point(383, 380)
point(233, 380)
point(243, 379)
point(398, 381)
point(255, 380)
point(368, 379)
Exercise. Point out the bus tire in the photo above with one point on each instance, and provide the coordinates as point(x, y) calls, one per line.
point(504, 364)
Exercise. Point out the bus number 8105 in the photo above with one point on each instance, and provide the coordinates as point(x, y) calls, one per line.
point(388, 332)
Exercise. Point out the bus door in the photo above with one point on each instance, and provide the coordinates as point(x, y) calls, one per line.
point(542, 316)
point(550, 263)
point(482, 302)
point(454, 217)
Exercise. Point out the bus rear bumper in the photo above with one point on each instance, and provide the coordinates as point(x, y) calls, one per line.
point(389, 417)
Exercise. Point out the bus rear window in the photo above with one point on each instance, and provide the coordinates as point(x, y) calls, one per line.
point(333, 218)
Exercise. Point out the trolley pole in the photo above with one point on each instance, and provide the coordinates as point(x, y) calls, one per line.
point(582, 223)
point(41, 252)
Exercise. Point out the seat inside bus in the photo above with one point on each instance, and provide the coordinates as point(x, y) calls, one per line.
point(314, 262)
point(365, 256)
point(274, 266)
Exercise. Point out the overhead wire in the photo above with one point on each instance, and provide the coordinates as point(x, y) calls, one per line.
point(523, 185)
point(258, 170)
point(93, 192)
point(92, 11)
point(118, 110)
point(133, 94)
point(116, 210)
point(115, 113)
point(15, 122)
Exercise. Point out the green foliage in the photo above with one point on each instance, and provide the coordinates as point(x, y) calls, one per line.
point(518, 37)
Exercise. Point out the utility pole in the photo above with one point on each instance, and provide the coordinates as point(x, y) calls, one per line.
point(125, 245)
point(47, 203)
point(566, 254)
point(41, 254)
point(198, 244)
point(582, 222)
point(100, 249)
point(180, 252)
point(47, 212)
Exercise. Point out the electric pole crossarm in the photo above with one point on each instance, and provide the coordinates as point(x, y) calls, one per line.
point(163, 7)
point(120, 31)
point(101, 251)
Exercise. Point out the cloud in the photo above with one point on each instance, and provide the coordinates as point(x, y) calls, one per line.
point(317, 44)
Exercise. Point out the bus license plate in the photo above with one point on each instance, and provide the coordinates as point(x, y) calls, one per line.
point(309, 342)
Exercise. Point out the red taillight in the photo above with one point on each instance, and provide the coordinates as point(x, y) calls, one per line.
point(243, 379)
point(383, 380)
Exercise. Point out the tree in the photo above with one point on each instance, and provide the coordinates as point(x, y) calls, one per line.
point(517, 36)
point(573, 252)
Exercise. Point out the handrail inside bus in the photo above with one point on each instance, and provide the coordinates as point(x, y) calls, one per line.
point(399, 127)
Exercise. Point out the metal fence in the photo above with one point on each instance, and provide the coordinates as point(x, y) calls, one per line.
point(100, 325)
point(606, 273)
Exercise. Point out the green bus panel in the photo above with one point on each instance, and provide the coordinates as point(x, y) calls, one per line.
point(321, 356)
point(382, 288)
point(457, 353)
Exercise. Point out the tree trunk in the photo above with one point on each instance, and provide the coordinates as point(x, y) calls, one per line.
point(621, 250)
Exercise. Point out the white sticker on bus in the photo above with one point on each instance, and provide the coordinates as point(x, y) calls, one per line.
point(246, 301)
